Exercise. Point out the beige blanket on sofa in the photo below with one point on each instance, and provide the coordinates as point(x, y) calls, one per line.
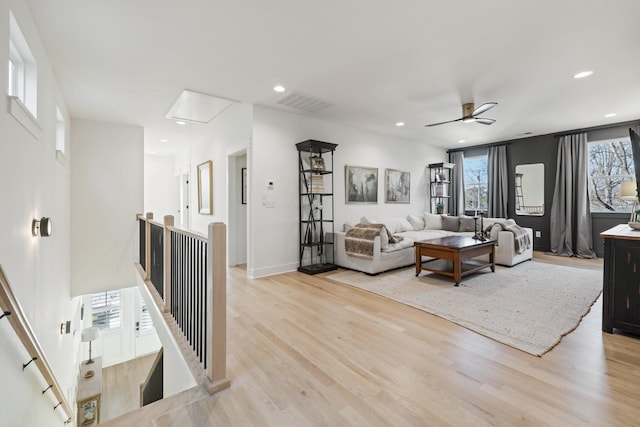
point(520, 236)
point(359, 239)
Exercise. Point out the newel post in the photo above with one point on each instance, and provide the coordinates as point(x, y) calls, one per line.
point(168, 225)
point(217, 315)
point(147, 246)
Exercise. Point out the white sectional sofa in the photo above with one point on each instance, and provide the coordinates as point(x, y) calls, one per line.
point(387, 256)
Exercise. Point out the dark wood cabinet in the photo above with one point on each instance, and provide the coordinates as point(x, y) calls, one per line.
point(315, 164)
point(621, 281)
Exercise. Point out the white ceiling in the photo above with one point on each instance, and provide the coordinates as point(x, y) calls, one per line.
point(375, 62)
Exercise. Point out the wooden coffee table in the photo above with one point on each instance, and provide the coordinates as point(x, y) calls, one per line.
point(453, 256)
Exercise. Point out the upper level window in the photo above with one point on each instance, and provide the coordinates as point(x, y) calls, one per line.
point(105, 308)
point(22, 79)
point(60, 132)
point(475, 183)
point(610, 164)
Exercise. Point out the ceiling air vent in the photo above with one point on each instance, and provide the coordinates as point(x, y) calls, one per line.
point(306, 103)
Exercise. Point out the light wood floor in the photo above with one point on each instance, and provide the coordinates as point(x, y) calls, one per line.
point(306, 351)
point(121, 386)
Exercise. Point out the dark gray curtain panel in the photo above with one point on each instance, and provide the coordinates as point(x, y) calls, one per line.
point(498, 184)
point(457, 183)
point(570, 215)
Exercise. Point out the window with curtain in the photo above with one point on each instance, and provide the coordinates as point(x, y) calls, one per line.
point(106, 311)
point(610, 164)
point(475, 183)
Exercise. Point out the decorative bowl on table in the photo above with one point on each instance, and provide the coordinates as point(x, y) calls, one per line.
point(634, 225)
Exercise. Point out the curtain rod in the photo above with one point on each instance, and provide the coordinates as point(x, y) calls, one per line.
point(559, 134)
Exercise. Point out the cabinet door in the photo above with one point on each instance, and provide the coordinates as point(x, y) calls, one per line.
point(626, 284)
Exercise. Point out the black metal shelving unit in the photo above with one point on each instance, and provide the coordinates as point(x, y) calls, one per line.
point(315, 163)
point(440, 187)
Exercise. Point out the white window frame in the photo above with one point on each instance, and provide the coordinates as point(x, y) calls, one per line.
point(22, 80)
point(61, 135)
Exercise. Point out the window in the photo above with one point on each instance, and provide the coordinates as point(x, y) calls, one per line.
point(610, 164)
point(60, 132)
point(22, 79)
point(106, 310)
point(146, 324)
point(475, 183)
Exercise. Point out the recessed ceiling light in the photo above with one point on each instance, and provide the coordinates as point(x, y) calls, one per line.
point(164, 140)
point(610, 115)
point(153, 152)
point(582, 74)
point(279, 88)
point(462, 141)
point(180, 122)
point(399, 124)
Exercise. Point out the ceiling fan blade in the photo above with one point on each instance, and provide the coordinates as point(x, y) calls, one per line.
point(484, 107)
point(485, 121)
point(441, 123)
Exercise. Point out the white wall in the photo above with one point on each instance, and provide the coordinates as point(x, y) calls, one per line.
point(161, 187)
point(274, 230)
point(107, 193)
point(231, 129)
point(34, 183)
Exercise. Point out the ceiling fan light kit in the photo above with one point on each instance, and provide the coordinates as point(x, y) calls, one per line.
point(470, 114)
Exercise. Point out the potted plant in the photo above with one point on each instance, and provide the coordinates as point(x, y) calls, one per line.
point(439, 207)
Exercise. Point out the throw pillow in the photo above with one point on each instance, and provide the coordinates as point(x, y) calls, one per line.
point(384, 238)
point(467, 223)
point(432, 221)
point(450, 223)
point(416, 222)
point(397, 225)
point(348, 226)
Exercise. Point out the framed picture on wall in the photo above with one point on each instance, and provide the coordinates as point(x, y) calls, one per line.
point(205, 188)
point(397, 186)
point(361, 184)
point(244, 186)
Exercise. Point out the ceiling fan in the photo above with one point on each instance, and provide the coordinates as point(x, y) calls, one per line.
point(469, 114)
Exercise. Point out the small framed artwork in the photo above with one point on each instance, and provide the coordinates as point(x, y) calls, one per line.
point(205, 188)
point(397, 186)
point(361, 184)
point(244, 186)
point(317, 163)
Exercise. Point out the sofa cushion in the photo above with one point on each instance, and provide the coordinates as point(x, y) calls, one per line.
point(348, 225)
point(402, 244)
point(467, 223)
point(393, 225)
point(432, 221)
point(397, 225)
point(416, 222)
point(450, 223)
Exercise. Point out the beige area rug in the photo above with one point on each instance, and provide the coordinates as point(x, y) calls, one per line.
point(530, 306)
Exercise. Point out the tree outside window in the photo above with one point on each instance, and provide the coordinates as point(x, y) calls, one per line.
point(475, 183)
point(610, 164)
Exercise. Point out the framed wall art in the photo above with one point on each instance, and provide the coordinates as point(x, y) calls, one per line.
point(205, 188)
point(361, 184)
point(397, 186)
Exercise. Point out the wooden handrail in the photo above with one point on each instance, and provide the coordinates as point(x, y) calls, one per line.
point(212, 355)
point(22, 328)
